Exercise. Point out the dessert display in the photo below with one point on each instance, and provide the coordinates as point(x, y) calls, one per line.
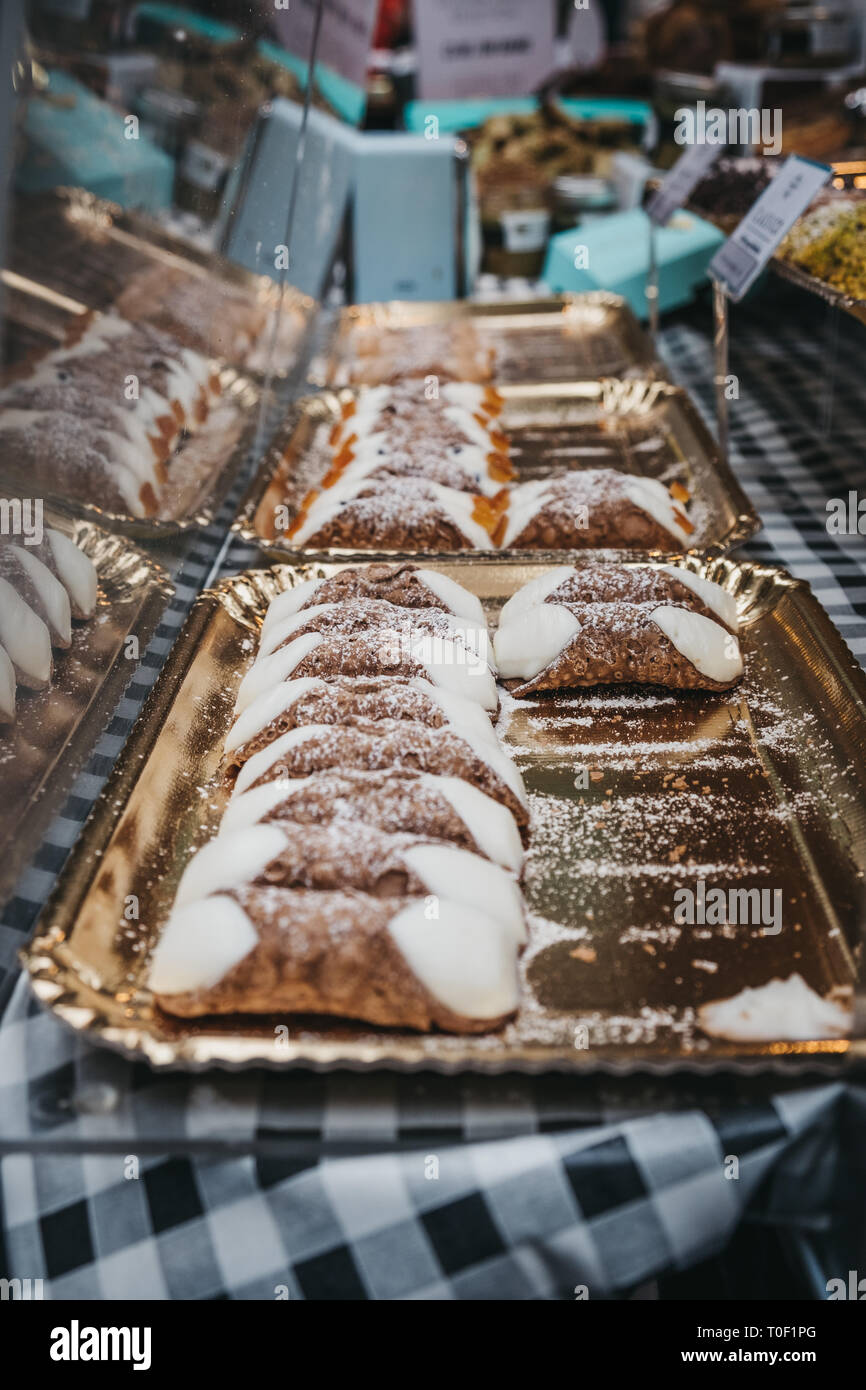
point(43, 588)
point(366, 866)
point(603, 625)
point(99, 419)
point(402, 470)
point(828, 242)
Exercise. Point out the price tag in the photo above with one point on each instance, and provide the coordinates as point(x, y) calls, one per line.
point(737, 264)
point(678, 182)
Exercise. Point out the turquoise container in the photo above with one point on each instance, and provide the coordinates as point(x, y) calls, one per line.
point(74, 138)
point(612, 253)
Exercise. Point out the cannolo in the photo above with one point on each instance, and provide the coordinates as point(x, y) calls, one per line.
point(26, 639)
point(398, 431)
point(311, 700)
point(7, 688)
point(353, 856)
point(439, 808)
point(385, 745)
point(40, 589)
point(442, 659)
point(564, 644)
point(451, 351)
point(594, 509)
point(387, 961)
point(403, 584)
point(396, 514)
point(368, 614)
point(607, 583)
point(99, 419)
point(203, 313)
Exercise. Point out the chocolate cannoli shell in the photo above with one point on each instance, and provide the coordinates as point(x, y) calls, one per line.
point(619, 643)
point(380, 747)
point(326, 953)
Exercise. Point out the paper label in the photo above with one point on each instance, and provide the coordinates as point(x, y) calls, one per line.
point(483, 48)
point(738, 263)
point(525, 231)
point(678, 182)
point(204, 167)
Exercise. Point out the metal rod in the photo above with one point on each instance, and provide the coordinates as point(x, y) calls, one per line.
point(290, 222)
point(831, 358)
point(720, 351)
point(652, 282)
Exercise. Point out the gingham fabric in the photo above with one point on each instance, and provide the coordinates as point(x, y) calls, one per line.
point(117, 1182)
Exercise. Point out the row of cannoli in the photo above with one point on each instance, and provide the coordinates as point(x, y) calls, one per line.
point(99, 419)
point(44, 586)
point(605, 624)
point(412, 471)
point(367, 864)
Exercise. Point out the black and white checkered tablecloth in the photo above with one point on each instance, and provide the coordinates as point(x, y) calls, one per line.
point(116, 1182)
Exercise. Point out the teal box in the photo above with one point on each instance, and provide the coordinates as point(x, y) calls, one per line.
point(73, 138)
point(612, 253)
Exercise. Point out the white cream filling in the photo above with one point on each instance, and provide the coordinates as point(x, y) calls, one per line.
point(465, 421)
point(279, 632)
point(77, 572)
point(275, 669)
point(449, 872)
point(457, 600)
point(465, 960)
point(271, 755)
point(256, 804)
point(653, 497)
point(463, 713)
point(713, 595)
point(229, 861)
point(52, 595)
point(7, 686)
point(467, 394)
point(523, 503)
point(779, 1011)
point(451, 665)
point(535, 592)
point(529, 644)
point(491, 825)
point(25, 637)
point(458, 506)
point(270, 705)
point(710, 648)
point(200, 944)
point(289, 602)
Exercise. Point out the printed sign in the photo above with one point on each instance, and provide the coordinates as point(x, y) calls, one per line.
point(678, 182)
point(738, 263)
point(483, 48)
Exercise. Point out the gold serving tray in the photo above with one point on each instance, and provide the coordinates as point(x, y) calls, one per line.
point(55, 729)
point(566, 337)
point(98, 243)
point(588, 424)
point(202, 470)
point(762, 785)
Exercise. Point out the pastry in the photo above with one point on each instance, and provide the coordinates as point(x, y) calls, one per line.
point(609, 583)
point(400, 431)
point(395, 514)
point(351, 615)
point(349, 855)
point(404, 584)
point(42, 588)
point(293, 704)
point(559, 644)
point(387, 961)
point(441, 658)
point(99, 419)
point(594, 509)
point(385, 745)
point(439, 808)
point(378, 353)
